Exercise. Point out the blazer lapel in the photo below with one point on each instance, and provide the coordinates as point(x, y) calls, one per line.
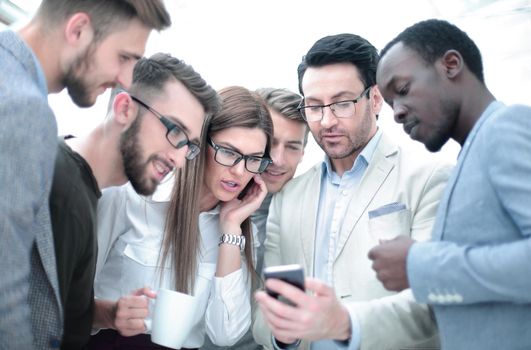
point(440, 224)
point(308, 217)
point(374, 177)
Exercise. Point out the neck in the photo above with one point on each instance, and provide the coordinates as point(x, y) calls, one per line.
point(101, 151)
point(46, 45)
point(472, 108)
point(207, 200)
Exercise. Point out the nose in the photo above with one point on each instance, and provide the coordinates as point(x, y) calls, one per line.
point(239, 168)
point(177, 156)
point(329, 119)
point(125, 76)
point(277, 155)
point(399, 113)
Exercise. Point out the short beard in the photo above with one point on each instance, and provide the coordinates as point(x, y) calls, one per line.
point(73, 79)
point(134, 167)
point(355, 142)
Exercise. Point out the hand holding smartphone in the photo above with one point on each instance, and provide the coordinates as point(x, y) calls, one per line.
point(292, 274)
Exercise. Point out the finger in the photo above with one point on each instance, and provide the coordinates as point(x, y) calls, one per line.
point(374, 252)
point(132, 313)
point(288, 291)
point(261, 183)
point(132, 301)
point(318, 287)
point(131, 327)
point(145, 291)
point(275, 313)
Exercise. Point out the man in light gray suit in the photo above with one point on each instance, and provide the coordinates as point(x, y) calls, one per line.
point(85, 46)
point(366, 189)
point(476, 271)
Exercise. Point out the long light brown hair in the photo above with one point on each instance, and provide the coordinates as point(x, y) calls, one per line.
point(240, 108)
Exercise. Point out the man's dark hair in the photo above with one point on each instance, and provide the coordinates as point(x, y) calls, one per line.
point(342, 48)
point(432, 38)
point(150, 76)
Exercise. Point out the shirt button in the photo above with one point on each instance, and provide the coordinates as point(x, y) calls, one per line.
point(344, 193)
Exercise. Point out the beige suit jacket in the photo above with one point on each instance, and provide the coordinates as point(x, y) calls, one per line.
point(388, 320)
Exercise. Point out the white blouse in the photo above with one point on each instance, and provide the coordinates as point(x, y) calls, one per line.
point(130, 232)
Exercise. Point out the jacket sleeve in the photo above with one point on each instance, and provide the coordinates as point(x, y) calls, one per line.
point(27, 153)
point(228, 314)
point(493, 271)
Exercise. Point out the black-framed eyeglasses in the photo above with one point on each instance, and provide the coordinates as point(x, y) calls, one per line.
point(229, 157)
point(341, 109)
point(175, 135)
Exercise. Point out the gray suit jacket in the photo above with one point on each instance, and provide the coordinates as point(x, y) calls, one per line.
point(27, 151)
point(477, 271)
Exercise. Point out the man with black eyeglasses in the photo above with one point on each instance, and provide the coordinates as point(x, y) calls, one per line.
point(367, 189)
point(150, 129)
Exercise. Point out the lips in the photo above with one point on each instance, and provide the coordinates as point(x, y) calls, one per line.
point(161, 169)
point(274, 172)
point(409, 125)
point(230, 186)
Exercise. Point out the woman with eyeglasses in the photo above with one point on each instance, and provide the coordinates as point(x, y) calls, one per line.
point(199, 241)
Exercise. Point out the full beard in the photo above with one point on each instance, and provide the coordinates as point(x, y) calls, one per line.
point(134, 167)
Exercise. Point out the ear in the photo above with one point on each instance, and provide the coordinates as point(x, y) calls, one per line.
point(376, 99)
point(125, 110)
point(453, 63)
point(78, 30)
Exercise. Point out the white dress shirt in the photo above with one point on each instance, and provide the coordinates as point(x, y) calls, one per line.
point(130, 232)
point(336, 191)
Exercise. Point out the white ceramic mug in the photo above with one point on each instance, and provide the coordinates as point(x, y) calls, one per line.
point(173, 318)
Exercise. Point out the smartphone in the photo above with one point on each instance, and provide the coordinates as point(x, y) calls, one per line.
point(246, 189)
point(292, 274)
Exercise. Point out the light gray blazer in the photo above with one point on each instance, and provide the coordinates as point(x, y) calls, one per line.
point(388, 320)
point(477, 271)
point(28, 141)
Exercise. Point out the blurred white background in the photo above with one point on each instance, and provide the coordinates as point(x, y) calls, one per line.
point(260, 43)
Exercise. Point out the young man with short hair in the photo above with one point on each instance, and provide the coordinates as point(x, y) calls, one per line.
point(328, 218)
point(85, 47)
point(475, 272)
point(149, 130)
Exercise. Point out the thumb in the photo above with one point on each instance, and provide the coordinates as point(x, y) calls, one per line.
point(317, 286)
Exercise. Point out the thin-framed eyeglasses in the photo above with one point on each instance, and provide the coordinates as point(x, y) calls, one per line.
point(341, 109)
point(175, 135)
point(229, 157)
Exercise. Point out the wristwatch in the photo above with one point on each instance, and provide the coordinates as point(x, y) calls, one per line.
point(228, 238)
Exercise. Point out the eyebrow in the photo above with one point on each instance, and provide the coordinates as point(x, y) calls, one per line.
point(180, 124)
point(339, 94)
point(230, 146)
point(132, 55)
point(295, 142)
